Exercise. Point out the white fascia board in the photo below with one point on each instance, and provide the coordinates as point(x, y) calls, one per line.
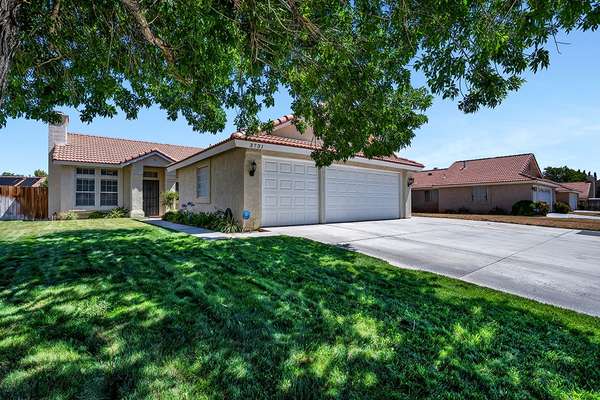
point(230, 144)
point(299, 150)
point(86, 164)
point(152, 153)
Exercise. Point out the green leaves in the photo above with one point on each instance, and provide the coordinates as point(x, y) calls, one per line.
point(346, 65)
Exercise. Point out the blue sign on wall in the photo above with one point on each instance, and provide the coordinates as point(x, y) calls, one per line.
point(246, 214)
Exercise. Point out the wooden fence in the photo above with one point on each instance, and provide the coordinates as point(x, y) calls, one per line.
point(23, 202)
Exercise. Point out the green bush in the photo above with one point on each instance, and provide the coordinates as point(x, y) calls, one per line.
point(542, 208)
point(562, 208)
point(169, 199)
point(119, 212)
point(221, 221)
point(530, 208)
point(96, 215)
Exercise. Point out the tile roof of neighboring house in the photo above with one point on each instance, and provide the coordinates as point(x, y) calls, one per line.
point(22, 181)
point(503, 169)
point(106, 150)
point(304, 144)
point(582, 188)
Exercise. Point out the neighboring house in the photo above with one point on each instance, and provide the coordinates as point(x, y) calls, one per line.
point(583, 191)
point(22, 181)
point(87, 173)
point(269, 179)
point(483, 185)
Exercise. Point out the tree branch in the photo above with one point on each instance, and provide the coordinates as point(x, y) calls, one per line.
point(134, 8)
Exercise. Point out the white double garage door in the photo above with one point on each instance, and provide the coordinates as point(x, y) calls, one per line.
point(291, 193)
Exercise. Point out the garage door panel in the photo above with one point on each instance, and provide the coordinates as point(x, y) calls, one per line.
point(356, 194)
point(293, 197)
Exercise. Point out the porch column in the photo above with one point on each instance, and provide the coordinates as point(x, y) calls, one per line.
point(137, 187)
point(405, 195)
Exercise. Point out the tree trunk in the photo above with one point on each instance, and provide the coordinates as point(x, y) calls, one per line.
point(8, 39)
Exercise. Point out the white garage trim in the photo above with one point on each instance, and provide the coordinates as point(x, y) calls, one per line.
point(290, 192)
point(360, 194)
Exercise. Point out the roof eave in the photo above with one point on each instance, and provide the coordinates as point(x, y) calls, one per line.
point(240, 142)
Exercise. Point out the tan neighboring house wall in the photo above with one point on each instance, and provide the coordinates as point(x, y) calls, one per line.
point(455, 198)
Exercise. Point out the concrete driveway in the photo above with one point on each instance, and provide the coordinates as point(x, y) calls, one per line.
point(556, 266)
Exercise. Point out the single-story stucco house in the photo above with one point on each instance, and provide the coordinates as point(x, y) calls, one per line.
point(87, 173)
point(483, 185)
point(269, 179)
point(266, 179)
point(580, 193)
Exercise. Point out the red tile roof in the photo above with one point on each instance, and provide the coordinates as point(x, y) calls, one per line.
point(105, 150)
point(503, 169)
point(583, 188)
point(312, 145)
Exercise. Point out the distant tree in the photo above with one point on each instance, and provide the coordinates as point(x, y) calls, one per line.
point(564, 174)
point(40, 172)
point(6, 173)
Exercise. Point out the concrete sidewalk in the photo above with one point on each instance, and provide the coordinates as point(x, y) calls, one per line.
point(202, 233)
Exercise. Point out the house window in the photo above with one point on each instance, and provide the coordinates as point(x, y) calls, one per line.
point(86, 171)
point(479, 194)
point(85, 191)
point(109, 172)
point(109, 192)
point(202, 182)
point(428, 196)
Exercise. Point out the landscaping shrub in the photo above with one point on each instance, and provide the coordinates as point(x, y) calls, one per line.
point(96, 215)
point(464, 210)
point(68, 215)
point(119, 212)
point(530, 208)
point(221, 221)
point(562, 208)
point(169, 199)
point(542, 208)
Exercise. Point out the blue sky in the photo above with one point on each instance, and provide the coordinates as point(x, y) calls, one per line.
point(556, 115)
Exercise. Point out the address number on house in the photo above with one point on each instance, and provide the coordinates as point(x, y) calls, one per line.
point(256, 146)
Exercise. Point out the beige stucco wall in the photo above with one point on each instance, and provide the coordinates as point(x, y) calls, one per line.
point(61, 190)
point(420, 205)
point(226, 183)
point(502, 196)
point(61, 186)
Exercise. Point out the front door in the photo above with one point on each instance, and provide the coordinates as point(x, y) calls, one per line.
point(151, 198)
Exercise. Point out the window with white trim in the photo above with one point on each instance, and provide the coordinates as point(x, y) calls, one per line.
point(109, 192)
point(85, 187)
point(479, 194)
point(202, 182)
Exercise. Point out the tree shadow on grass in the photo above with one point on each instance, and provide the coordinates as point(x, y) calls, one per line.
point(146, 313)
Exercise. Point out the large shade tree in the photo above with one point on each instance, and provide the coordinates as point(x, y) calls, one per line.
point(346, 64)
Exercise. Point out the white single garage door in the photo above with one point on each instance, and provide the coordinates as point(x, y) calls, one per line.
point(543, 194)
point(573, 201)
point(290, 192)
point(359, 194)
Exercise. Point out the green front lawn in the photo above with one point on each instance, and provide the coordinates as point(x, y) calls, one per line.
point(116, 308)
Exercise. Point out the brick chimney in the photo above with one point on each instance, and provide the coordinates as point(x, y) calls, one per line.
point(57, 134)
